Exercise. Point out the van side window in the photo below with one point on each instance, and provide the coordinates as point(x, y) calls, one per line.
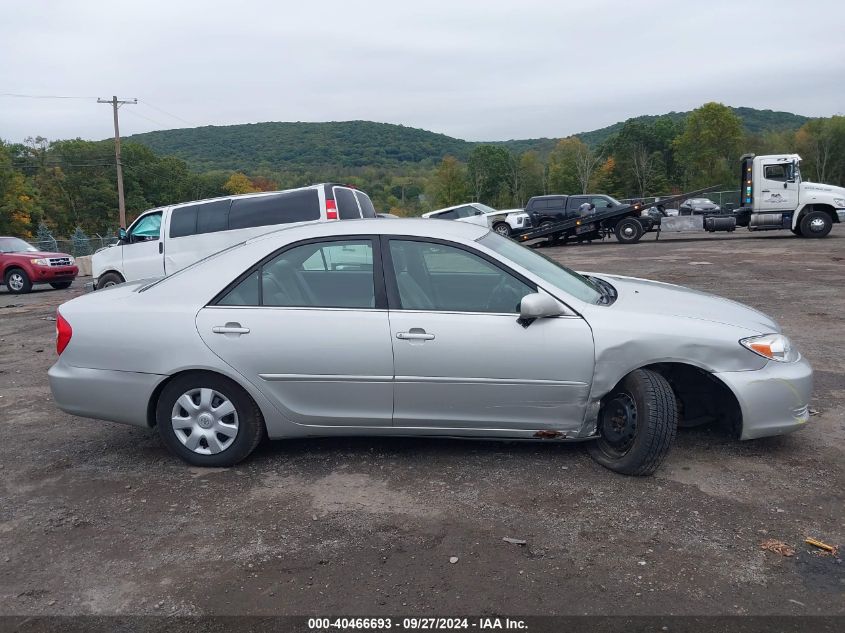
point(183, 221)
point(347, 207)
point(283, 208)
point(213, 216)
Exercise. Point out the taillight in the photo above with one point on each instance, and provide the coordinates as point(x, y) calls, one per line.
point(331, 210)
point(63, 333)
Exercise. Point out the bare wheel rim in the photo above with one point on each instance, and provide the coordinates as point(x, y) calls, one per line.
point(628, 230)
point(205, 421)
point(817, 224)
point(109, 284)
point(618, 425)
point(16, 281)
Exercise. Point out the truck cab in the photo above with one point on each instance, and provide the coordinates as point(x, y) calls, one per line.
point(774, 196)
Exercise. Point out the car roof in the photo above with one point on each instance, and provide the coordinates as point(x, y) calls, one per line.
point(416, 227)
point(456, 206)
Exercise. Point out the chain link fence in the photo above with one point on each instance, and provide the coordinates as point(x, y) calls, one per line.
point(75, 247)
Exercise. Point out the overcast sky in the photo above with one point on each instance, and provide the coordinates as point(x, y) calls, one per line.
point(478, 70)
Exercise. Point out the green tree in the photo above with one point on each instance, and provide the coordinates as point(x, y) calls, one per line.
point(709, 146)
point(81, 244)
point(449, 182)
point(487, 171)
point(44, 238)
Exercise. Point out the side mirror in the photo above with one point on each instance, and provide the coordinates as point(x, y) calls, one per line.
point(121, 234)
point(537, 306)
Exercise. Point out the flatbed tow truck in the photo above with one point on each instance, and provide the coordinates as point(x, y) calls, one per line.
point(772, 195)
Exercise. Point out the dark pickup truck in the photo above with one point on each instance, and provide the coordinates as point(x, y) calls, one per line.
point(546, 210)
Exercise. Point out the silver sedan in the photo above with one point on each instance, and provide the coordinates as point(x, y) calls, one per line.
point(420, 328)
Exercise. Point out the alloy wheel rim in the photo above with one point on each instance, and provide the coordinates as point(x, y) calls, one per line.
point(501, 230)
point(205, 421)
point(16, 281)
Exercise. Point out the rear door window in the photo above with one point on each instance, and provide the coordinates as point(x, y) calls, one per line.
point(282, 208)
point(347, 205)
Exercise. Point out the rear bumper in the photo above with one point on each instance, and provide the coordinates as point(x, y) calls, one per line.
point(774, 400)
point(47, 274)
point(102, 394)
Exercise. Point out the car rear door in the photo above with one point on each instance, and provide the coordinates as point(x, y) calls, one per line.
point(462, 360)
point(308, 327)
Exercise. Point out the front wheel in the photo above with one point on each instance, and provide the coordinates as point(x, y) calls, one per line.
point(629, 231)
point(108, 280)
point(208, 420)
point(502, 229)
point(17, 281)
point(61, 285)
point(637, 424)
point(816, 224)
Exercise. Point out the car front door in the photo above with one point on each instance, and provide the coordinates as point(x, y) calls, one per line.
point(778, 187)
point(461, 358)
point(309, 328)
point(142, 250)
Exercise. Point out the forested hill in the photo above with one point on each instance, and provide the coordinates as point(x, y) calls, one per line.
point(280, 145)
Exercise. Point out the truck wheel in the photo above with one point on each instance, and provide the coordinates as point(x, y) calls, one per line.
point(502, 229)
point(816, 224)
point(17, 281)
point(637, 424)
point(109, 279)
point(629, 231)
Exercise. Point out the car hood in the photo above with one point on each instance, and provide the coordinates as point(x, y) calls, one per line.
point(36, 254)
point(658, 298)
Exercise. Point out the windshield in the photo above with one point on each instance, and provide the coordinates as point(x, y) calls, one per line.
point(615, 202)
point(547, 269)
point(15, 245)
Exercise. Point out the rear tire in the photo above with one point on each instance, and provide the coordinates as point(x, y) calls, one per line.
point(629, 231)
point(637, 424)
point(17, 281)
point(208, 420)
point(502, 228)
point(61, 285)
point(108, 280)
point(816, 224)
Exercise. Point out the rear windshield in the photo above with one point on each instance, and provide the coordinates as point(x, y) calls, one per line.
point(282, 208)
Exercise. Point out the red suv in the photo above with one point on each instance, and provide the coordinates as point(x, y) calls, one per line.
point(22, 265)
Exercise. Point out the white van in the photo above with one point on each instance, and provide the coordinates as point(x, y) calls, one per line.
point(161, 241)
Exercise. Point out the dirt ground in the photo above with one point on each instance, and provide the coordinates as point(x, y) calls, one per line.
point(97, 518)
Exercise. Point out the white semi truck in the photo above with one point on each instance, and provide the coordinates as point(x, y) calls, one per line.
point(773, 196)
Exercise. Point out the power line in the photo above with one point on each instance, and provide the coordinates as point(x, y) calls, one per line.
point(151, 120)
point(150, 105)
point(24, 96)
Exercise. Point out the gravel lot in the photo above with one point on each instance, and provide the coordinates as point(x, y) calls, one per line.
point(98, 518)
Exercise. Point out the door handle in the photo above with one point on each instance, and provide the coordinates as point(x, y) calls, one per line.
point(230, 328)
point(415, 334)
point(160, 247)
point(764, 191)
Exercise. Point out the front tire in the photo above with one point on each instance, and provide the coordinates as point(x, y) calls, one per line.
point(108, 280)
point(502, 228)
point(816, 224)
point(208, 420)
point(17, 281)
point(61, 285)
point(637, 424)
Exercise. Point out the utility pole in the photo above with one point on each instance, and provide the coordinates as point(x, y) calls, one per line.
point(115, 104)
